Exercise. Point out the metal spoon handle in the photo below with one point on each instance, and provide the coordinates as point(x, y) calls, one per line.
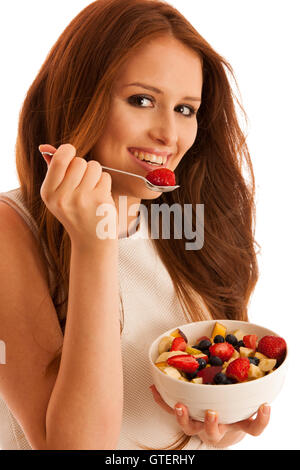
point(105, 167)
point(125, 172)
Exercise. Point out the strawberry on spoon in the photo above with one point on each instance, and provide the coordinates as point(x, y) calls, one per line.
point(162, 177)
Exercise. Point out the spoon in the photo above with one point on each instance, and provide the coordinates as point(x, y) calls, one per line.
point(153, 187)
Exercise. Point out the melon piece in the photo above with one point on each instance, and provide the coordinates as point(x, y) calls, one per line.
point(162, 365)
point(178, 333)
point(183, 379)
point(192, 351)
point(219, 330)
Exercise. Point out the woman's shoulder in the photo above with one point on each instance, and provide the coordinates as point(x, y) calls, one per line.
point(17, 238)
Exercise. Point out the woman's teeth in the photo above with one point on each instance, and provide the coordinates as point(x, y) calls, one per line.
point(154, 159)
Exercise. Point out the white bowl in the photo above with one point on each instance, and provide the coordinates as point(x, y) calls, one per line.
point(233, 402)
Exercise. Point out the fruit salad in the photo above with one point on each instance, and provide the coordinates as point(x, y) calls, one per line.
point(222, 359)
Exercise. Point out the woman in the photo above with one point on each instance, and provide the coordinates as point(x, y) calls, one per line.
point(125, 79)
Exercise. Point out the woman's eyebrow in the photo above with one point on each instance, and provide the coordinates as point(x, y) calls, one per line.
point(156, 90)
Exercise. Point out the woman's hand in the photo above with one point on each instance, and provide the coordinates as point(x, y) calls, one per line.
point(73, 189)
point(212, 433)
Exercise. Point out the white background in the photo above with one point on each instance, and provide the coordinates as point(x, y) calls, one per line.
point(259, 39)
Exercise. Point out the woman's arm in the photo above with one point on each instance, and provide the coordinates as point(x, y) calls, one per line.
point(85, 408)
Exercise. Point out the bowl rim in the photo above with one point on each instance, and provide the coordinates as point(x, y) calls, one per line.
point(220, 386)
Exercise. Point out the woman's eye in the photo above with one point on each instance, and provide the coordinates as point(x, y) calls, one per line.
point(189, 111)
point(142, 101)
point(139, 100)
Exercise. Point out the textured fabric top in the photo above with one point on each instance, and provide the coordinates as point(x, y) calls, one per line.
point(150, 308)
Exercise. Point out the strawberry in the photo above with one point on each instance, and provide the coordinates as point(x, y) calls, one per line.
point(184, 362)
point(238, 369)
point(222, 350)
point(209, 373)
point(273, 347)
point(178, 344)
point(250, 341)
point(162, 177)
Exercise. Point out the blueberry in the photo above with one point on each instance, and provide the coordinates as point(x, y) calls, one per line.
point(230, 380)
point(215, 361)
point(196, 347)
point(201, 362)
point(219, 339)
point(220, 379)
point(206, 352)
point(204, 344)
point(191, 375)
point(240, 344)
point(254, 360)
point(231, 339)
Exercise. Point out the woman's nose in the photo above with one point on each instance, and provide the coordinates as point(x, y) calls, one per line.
point(165, 131)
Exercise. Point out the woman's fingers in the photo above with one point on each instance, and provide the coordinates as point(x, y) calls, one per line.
point(211, 427)
point(59, 165)
point(47, 148)
point(256, 426)
point(183, 419)
point(210, 431)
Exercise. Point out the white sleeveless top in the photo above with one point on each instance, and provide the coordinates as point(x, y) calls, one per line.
point(150, 308)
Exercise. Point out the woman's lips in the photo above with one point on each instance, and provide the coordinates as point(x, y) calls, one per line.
point(146, 165)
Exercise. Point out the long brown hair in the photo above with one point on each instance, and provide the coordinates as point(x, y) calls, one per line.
point(69, 101)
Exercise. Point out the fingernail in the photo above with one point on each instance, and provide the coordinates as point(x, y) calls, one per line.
point(266, 409)
point(211, 416)
point(179, 411)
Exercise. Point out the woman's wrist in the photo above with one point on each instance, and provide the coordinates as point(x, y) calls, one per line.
point(93, 247)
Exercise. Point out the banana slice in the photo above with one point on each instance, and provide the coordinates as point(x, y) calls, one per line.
point(197, 380)
point(267, 364)
point(246, 352)
point(255, 372)
point(239, 334)
point(165, 355)
point(165, 344)
point(260, 355)
point(172, 372)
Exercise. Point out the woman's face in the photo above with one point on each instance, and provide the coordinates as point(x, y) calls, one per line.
point(154, 103)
